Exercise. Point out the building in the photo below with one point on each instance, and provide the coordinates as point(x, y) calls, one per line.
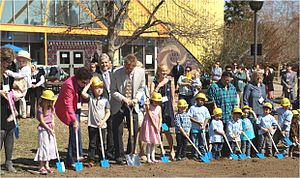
point(68, 32)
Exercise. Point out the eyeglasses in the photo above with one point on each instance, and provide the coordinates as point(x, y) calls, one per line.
point(85, 82)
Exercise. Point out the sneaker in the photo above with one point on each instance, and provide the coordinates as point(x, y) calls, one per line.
point(43, 171)
point(10, 168)
point(91, 164)
point(230, 158)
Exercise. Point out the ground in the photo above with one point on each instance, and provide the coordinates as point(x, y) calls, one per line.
point(26, 146)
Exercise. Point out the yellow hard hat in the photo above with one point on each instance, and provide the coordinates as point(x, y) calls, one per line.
point(156, 97)
point(295, 112)
point(268, 105)
point(182, 103)
point(285, 102)
point(217, 111)
point(247, 107)
point(237, 110)
point(201, 96)
point(48, 95)
point(96, 82)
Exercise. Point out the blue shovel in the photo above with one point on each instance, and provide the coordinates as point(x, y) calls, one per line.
point(104, 162)
point(164, 127)
point(164, 158)
point(204, 158)
point(241, 155)
point(17, 133)
point(233, 155)
point(60, 165)
point(78, 164)
point(285, 138)
point(209, 153)
point(278, 155)
point(258, 154)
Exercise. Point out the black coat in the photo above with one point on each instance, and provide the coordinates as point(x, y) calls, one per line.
point(177, 73)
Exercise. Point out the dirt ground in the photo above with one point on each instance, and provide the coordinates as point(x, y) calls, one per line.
point(26, 146)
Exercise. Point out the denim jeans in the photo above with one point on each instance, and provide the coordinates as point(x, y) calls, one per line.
point(265, 143)
point(72, 142)
point(181, 145)
point(233, 146)
point(198, 140)
point(246, 147)
point(95, 143)
point(216, 149)
point(7, 137)
point(277, 137)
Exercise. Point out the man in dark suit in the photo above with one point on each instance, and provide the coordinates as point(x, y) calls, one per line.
point(104, 73)
point(177, 71)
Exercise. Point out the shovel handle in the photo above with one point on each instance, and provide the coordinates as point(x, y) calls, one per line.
point(204, 138)
point(273, 142)
point(250, 142)
point(11, 108)
point(77, 149)
point(56, 149)
point(194, 146)
point(227, 143)
point(161, 145)
point(101, 140)
point(237, 144)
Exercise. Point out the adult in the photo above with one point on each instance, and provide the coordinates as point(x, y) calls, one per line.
point(185, 83)
point(34, 93)
point(224, 95)
point(7, 125)
point(288, 80)
point(268, 78)
point(127, 84)
point(216, 72)
point(177, 71)
point(68, 109)
point(161, 84)
point(255, 93)
point(104, 73)
point(240, 80)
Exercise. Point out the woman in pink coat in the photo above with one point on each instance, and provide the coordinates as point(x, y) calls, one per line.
point(68, 108)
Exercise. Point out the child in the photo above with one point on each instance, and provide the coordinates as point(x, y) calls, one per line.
point(284, 120)
point(99, 112)
point(22, 80)
point(151, 126)
point(265, 124)
point(247, 129)
point(182, 128)
point(234, 128)
point(199, 117)
point(294, 136)
point(45, 115)
point(216, 133)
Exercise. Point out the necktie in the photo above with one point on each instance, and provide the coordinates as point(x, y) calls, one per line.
point(107, 81)
point(128, 89)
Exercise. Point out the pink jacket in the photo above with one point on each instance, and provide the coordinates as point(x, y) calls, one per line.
point(66, 103)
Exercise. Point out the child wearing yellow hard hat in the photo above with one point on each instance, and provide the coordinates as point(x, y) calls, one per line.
point(266, 124)
point(216, 133)
point(284, 124)
point(234, 128)
point(150, 128)
point(45, 115)
point(248, 121)
point(98, 114)
point(295, 130)
point(199, 117)
point(182, 127)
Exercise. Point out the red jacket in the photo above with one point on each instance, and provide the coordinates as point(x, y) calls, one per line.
point(66, 103)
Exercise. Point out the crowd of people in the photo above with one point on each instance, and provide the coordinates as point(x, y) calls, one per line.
point(241, 109)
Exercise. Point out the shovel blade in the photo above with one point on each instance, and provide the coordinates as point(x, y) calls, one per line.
point(164, 127)
point(164, 159)
point(234, 156)
point(209, 155)
point(104, 163)
point(205, 159)
point(78, 166)
point(288, 141)
point(17, 133)
point(279, 156)
point(60, 167)
point(260, 155)
point(133, 160)
point(242, 156)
